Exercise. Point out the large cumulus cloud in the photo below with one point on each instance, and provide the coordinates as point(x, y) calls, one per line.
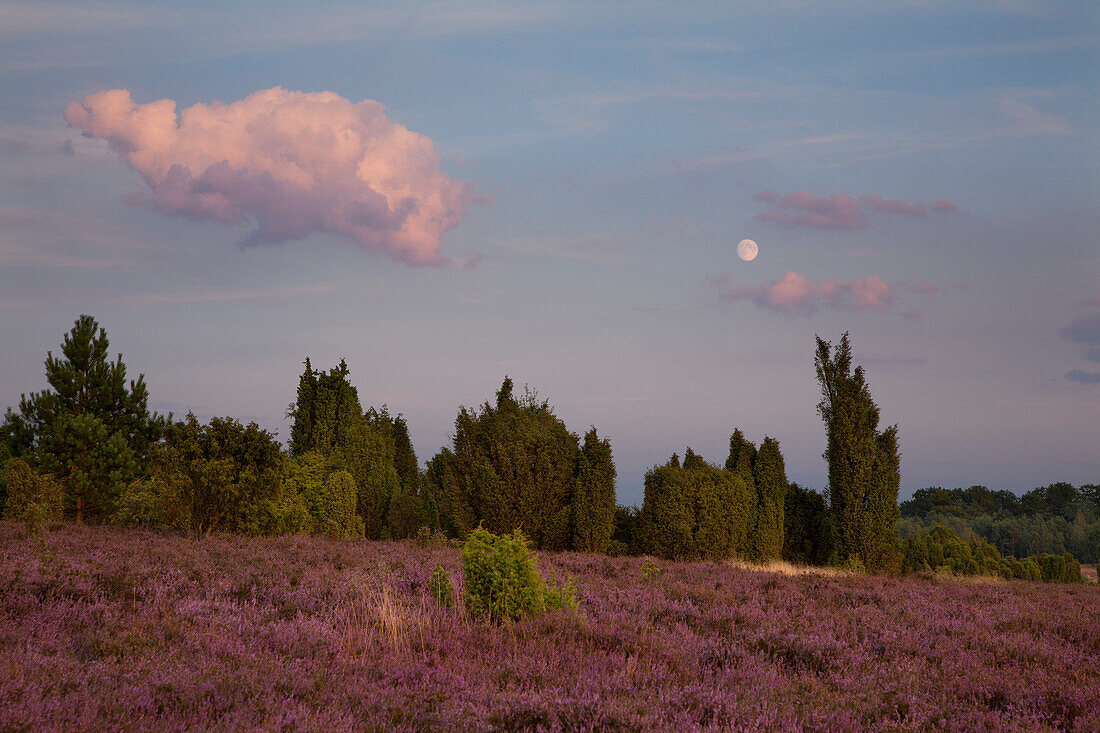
point(295, 162)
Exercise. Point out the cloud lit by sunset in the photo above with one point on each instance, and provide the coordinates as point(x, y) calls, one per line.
point(297, 163)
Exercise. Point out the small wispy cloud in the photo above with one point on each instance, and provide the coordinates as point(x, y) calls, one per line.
point(1019, 107)
point(839, 210)
point(27, 224)
point(211, 296)
point(1085, 331)
point(896, 361)
point(1057, 44)
point(1080, 375)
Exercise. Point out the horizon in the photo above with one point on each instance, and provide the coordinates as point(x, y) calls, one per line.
point(450, 194)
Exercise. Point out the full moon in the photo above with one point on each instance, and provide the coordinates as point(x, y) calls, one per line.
point(747, 250)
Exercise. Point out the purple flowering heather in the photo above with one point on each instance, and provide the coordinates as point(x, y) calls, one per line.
point(105, 629)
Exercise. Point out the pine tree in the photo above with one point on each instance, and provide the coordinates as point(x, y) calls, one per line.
point(91, 430)
point(863, 463)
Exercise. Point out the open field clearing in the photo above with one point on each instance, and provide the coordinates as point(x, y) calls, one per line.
point(133, 630)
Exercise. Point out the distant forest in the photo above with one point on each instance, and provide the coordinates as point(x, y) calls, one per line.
point(1053, 519)
point(88, 449)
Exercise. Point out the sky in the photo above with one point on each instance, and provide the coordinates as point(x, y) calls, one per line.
point(445, 193)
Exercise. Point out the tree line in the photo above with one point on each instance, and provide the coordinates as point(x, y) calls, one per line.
point(1053, 519)
point(90, 449)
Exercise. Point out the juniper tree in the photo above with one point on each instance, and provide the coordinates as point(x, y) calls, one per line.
point(740, 462)
point(742, 456)
point(807, 533)
point(593, 505)
point(771, 491)
point(513, 466)
point(325, 411)
point(694, 510)
point(90, 429)
point(863, 463)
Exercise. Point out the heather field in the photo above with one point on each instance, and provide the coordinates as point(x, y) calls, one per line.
point(133, 630)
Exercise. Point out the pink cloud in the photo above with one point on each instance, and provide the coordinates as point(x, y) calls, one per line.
point(298, 163)
point(838, 211)
point(878, 203)
point(797, 294)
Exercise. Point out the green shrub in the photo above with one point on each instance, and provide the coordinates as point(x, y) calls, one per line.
point(32, 498)
point(159, 501)
point(617, 548)
point(560, 595)
point(1059, 568)
point(440, 587)
point(427, 539)
point(650, 569)
point(501, 580)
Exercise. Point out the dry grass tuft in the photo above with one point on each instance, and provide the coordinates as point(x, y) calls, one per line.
point(376, 616)
point(786, 568)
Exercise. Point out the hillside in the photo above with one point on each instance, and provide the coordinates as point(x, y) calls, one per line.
point(111, 629)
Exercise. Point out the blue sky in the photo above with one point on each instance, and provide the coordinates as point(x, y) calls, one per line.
point(606, 160)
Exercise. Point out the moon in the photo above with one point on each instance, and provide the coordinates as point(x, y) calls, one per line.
point(747, 250)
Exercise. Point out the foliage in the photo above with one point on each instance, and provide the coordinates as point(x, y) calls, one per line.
point(404, 457)
point(695, 511)
point(561, 595)
point(500, 577)
point(233, 473)
point(593, 505)
point(325, 411)
point(1051, 519)
point(5, 456)
point(32, 498)
point(649, 568)
point(160, 500)
point(864, 472)
point(372, 446)
point(623, 524)
point(440, 587)
point(807, 527)
point(514, 465)
point(770, 476)
point(742, 457)
point(368, 457)
point(90, 429)
point(942, 550)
